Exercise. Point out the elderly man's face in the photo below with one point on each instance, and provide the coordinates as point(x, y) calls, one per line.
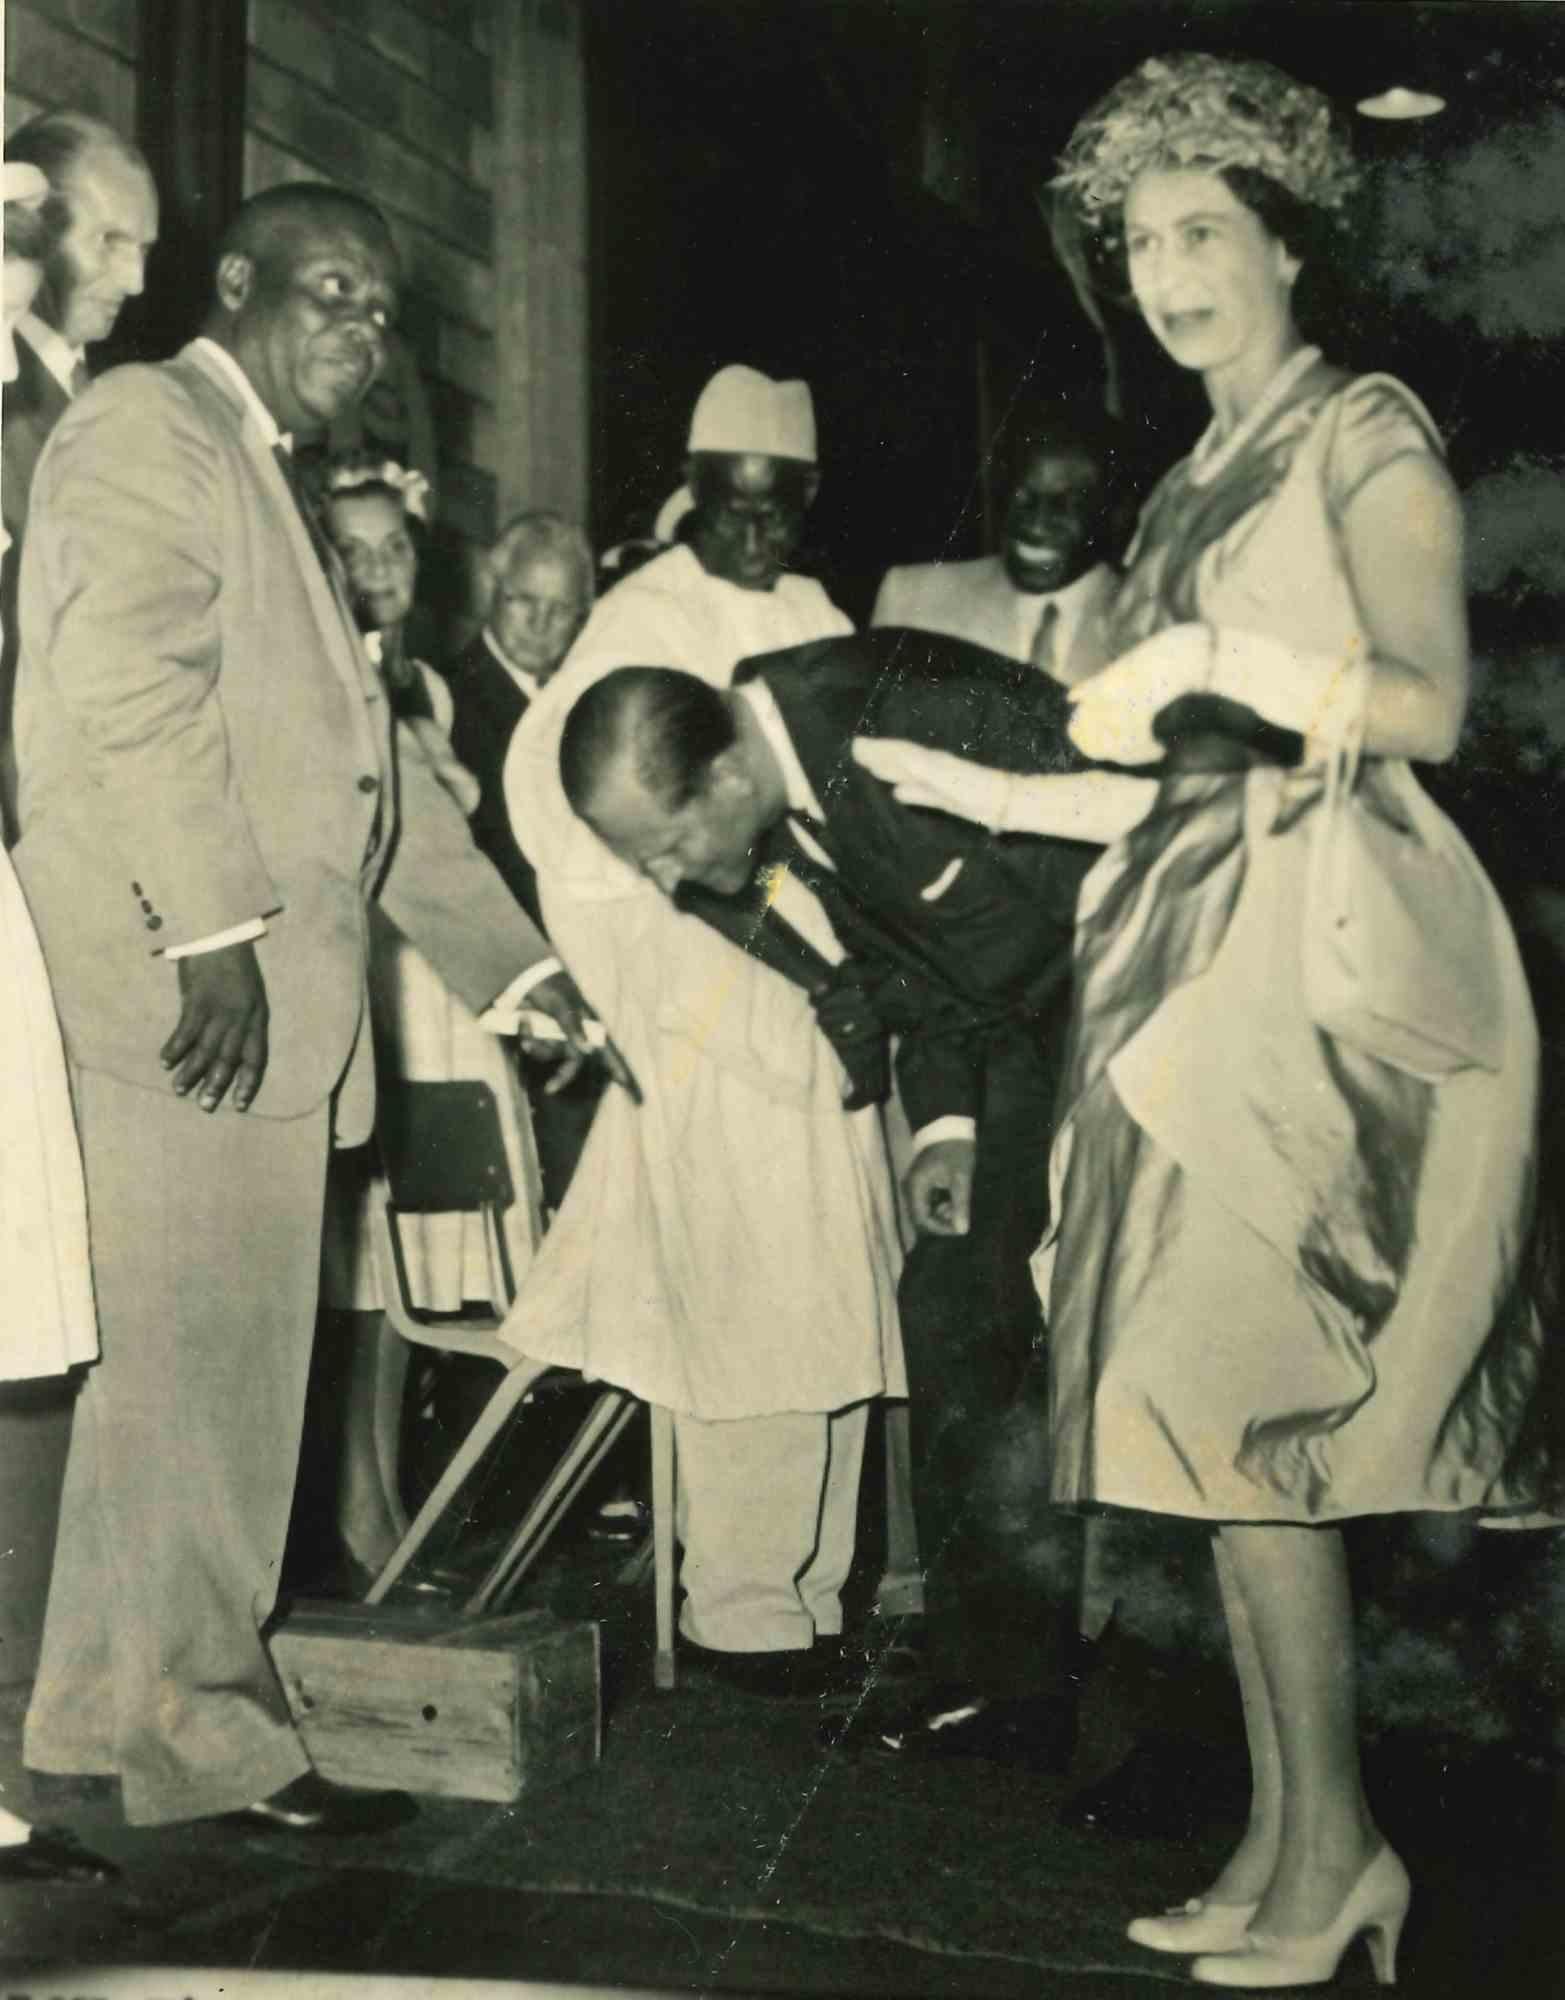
point(710, 839)
point(102, 258)
point(749, 514)
point(309, 326)
point(537, 611)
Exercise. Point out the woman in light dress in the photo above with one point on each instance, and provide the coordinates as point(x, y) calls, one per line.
point(1287, 1282)
point(374, 513)
point(49, 1323)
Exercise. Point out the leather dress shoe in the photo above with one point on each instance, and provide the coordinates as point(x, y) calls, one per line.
point(54, 1856)
point(313, 1804)
point(808, 1673)
point(1033, 1732)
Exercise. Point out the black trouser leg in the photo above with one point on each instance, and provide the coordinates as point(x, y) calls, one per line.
point(1002, 1565)
point(561, 1122)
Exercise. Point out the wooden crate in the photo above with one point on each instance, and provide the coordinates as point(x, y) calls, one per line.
point(425, 1701)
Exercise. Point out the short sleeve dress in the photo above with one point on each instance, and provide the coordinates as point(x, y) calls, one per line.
point(1288, 1280)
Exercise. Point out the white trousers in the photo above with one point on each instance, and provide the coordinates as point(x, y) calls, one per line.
point(766, 1514)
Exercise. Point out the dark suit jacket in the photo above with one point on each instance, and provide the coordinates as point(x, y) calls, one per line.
point(487, 704)
point(967, 937)
point(34, 404)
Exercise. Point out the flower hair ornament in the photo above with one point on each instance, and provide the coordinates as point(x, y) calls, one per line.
point(407, 481)
point(1205, 113)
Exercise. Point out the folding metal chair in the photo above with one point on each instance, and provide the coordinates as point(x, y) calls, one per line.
point(442, 1152)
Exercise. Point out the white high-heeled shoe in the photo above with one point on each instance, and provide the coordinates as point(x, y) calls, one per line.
point(1374, 1908)
point(1194, 1926)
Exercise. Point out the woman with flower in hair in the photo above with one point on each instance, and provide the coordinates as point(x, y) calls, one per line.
point(375, 513)
point(1287, 1283)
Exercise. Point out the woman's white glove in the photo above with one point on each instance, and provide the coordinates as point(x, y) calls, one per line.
point(1095, 806)
point(1316, 694)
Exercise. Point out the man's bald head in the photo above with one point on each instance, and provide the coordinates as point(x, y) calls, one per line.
point(669, 724)
point(306, 288)
point(659, 763)
point(111, 209)
point(270, 227)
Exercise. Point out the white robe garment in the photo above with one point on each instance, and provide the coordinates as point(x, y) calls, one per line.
point(729, 1249)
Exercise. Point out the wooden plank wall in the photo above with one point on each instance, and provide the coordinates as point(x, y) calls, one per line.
point(391, 97)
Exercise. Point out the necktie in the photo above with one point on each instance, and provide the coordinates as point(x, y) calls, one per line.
point(79, 376)
point(820, 877)
point(1042, 651)
point(318, 541)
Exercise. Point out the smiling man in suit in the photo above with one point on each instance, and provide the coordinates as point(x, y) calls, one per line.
point(1063, 477)
point(962, 945)
point(209, 800)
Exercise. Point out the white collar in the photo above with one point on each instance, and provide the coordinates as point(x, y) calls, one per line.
point(524, 678)
point(768, 717)
point(52, 348)
point(262, 416)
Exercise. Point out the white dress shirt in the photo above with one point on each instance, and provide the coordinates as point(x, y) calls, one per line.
point(1070, 604)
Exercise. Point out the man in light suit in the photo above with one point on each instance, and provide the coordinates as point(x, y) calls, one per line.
point(1039, 599)
point(209, 801)
point(110, 223)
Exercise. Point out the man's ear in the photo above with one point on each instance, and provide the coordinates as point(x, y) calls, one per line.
point(235, 280)
point(812, 486)
point(729, 775)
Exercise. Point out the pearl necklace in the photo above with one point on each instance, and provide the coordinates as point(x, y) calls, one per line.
point(1213, 453)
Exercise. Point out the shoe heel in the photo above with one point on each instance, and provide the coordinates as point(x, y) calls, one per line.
point(1382, 1939)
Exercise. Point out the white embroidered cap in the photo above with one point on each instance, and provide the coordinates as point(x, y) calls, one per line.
point(742, 410)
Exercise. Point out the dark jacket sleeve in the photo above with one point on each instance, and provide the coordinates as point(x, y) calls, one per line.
point(483, 720)
point(967, 937)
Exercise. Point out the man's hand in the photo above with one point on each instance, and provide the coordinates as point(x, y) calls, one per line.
point(939, 1187)
point(220, 1037)
point(847, 1017)
point(560, 998)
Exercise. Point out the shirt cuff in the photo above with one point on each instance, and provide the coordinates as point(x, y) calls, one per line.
point(499, 1017)
point(244, 933)
point(954, 1126)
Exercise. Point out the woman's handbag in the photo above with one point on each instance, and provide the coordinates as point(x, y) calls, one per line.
point(1399, 949)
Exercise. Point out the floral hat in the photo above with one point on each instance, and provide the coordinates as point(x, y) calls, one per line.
point(1205, 113)
point(409, 482)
